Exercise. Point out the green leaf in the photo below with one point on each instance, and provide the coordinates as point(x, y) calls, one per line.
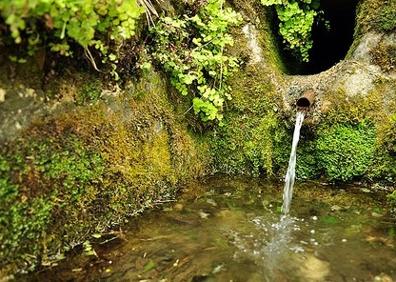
point(149, 266)
point(328, 219)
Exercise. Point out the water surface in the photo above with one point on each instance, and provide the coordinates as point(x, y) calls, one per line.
point(230, 230)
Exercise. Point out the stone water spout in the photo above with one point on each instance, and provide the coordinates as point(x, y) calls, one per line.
point(305, 102)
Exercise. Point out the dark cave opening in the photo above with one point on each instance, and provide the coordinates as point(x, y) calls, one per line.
point(329, 45)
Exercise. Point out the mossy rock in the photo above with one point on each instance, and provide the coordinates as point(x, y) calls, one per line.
point(386, 20)
point(85, 169)
point(376, 15)
point(345, 151)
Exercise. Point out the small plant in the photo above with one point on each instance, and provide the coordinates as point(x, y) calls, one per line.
point(191, 50)
point(94, 25)
point(88, 249)
point(392, 198)
point(89, 93)
point(296, 18)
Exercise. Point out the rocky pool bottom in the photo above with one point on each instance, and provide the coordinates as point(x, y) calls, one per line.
point(226, 229)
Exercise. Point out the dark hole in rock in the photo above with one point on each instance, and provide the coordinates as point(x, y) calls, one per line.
point(330, 46)
point(303, 103)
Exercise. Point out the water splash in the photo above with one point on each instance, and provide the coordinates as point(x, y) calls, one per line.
point(270, 245)
point(291, 170)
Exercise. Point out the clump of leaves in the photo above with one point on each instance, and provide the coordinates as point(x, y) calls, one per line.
point(191, 50)
point(94, 25)
point(296, 18)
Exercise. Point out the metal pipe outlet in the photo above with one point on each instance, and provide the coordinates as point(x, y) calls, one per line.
point(305, 102)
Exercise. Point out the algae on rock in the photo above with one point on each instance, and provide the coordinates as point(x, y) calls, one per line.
point(84, 169)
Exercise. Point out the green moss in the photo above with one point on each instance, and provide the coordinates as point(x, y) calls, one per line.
point(88, 93)
point(341, 108)
point(307, 160)
point(345, 151)
point(392, 198)
point(21, 219)
point(251, 140)
point(384, 164)
point(378, 106)
point(387, 134)
point(383, 168)
point(250, 148)
point(25, 222)
point(39, 178)
point(376, 15)
point(384, 56)
point(86, 169)
point(386, 20)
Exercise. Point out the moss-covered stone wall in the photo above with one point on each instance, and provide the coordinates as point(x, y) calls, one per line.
point(87, 167)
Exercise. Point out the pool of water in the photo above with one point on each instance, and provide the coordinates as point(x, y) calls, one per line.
point(227, 229)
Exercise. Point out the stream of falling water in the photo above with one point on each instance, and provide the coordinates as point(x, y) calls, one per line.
point(291, 170)
point(276, 247)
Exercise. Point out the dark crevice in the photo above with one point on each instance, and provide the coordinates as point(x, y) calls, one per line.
point(303, 103)
point(330, 46)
